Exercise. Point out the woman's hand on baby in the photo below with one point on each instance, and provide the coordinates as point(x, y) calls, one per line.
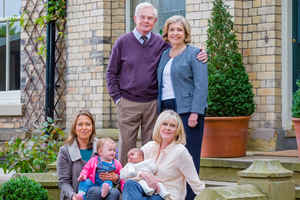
point(81, 177)
point(108, 176)
point(151, 181)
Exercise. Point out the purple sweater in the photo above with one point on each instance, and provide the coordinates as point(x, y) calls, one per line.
point(131, 72)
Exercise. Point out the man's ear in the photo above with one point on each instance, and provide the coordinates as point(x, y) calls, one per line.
point(134, 17)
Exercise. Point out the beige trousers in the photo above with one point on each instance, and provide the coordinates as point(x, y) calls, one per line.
point(131, 116)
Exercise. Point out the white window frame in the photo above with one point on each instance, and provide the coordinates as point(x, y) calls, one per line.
point(287, 69)
point(10, 100)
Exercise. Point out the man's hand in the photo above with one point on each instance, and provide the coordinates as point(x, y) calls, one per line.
point(202, 56)
point(108, 176)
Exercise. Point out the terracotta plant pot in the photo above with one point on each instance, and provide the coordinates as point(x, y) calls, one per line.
point(225, 137)
point(297, 132)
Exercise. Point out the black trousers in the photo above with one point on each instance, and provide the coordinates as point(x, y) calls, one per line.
point(194, 138)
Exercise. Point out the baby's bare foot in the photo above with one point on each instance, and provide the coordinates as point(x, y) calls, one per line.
point(105, 190)
point(78, 197)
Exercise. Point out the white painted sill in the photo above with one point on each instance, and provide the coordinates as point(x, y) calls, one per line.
point(10, 103)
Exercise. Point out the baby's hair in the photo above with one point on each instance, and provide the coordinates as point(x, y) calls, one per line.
point(102, 141)
point(138, 150)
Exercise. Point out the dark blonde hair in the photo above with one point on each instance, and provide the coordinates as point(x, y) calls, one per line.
point(140, 151)
point(185, 24)
point(102, 141)
point(73, 135)
point(167, 116)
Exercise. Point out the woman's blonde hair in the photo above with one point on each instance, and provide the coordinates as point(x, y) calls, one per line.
point(73, 135)
point(167, 116)
point(102, 141)
point(175, 19)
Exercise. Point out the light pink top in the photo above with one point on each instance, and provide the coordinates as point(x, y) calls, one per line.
point(175, 167)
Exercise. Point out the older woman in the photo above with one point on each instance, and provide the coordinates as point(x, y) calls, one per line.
point(183, 84)
point(79, 147)
point(174, 163)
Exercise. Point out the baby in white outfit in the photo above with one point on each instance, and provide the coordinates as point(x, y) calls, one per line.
point(136, 164)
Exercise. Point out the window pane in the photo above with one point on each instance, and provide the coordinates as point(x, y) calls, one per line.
point(12, 7)
point(1, 9)
point(2, 56)
point(15, 34)
point(169, 8)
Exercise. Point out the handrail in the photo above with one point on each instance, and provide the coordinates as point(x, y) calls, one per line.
point(6, 19)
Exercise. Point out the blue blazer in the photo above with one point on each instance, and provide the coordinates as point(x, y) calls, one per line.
point(189, 80)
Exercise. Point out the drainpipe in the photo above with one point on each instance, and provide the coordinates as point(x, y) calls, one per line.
point(50, 65)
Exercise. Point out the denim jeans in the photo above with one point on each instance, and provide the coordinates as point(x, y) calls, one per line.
point(87, 184)
point(94, 193)
point(133, 190)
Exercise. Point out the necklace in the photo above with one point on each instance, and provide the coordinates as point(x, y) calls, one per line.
point(173, 53)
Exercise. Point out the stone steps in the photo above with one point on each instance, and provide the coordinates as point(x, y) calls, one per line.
point(225, 184)
point(220, 172)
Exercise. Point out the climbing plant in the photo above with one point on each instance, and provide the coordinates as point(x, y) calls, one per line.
point(55, 11)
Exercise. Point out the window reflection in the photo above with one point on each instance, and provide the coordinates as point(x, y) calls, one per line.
point(15, 37)
point(12, 7)
point(2, 56)
point(9, 8)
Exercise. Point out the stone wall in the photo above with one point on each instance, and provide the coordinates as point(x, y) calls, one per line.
point(262, 58)
point(94, 25)
point(92, 28)
point(258, 25)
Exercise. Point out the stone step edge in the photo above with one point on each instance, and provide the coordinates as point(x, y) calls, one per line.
point(209, 183)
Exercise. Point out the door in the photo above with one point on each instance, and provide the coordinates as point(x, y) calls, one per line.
point(296, 42)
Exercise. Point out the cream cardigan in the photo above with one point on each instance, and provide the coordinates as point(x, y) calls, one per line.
point(175, 167)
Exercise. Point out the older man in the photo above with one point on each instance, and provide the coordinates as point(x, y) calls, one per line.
point(131, 79)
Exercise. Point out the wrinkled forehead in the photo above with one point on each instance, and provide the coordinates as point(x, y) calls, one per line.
point(148, 11)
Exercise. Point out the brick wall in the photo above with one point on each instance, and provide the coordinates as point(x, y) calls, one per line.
point(262, 57)
point(258, 24)
point(92, 28)
point(10, 122)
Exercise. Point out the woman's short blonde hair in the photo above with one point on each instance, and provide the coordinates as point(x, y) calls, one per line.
point(175, 19)
point(167, 116)
point(73, 135)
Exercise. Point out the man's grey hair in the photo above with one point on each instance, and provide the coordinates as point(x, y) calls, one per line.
point(143, 5)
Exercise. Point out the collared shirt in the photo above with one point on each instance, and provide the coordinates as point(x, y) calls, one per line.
point(138, 36)
point(174, 167)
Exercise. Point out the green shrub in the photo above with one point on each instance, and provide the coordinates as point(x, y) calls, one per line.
point(22, 188)
point(229, 90)
point(33, 155)
point(296, 102)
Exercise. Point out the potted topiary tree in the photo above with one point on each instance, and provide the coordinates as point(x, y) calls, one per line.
point(296, 114)
point(230, 96)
